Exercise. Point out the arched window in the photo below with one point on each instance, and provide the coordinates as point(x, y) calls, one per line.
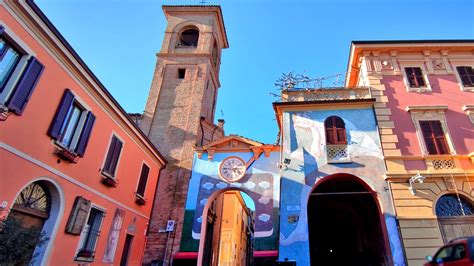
point(34, 197)
point(452, 205)
point(335, 130)
point(189, 38)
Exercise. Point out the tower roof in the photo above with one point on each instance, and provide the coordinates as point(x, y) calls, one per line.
point(216, 9)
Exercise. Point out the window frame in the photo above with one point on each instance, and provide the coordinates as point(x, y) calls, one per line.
point(405, 63)
point(437, 147)
point(431, 113)
point(85, 231)
point(25, 53)
point(462, 63)
point(77, 134)
point(335, 130)
point(104, 173)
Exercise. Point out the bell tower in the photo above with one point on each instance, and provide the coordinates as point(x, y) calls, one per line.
point(179, 112)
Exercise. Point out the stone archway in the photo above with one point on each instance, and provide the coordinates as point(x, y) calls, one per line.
point(345, 224)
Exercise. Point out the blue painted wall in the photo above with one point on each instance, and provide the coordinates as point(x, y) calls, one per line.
point(261, 183)
point(305, 144)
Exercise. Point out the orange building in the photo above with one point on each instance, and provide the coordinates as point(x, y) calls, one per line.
point(72, 161)
point(235, 233)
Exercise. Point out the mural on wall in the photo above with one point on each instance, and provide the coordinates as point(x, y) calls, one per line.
point(304, 143)
point(114, 233)
point(261, 182)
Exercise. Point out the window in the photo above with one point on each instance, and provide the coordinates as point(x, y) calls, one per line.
point(19, 74)
point(432, 131)
point(143, 180)
point(415, 77)
point(189, 38)
point(72, 125)
point(434, 137)
point(466, 74)
point(90, 234)
point(451, 205)
point(112, 158)
point(335, 130)
point(336, 140)
point(444, 255)
point(181, 73)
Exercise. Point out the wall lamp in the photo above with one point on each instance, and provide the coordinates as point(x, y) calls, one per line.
point(416, 178)
point(285, 164)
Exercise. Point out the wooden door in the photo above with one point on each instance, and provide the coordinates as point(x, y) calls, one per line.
point(454, 227)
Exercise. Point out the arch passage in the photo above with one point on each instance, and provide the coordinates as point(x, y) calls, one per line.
point(344, 224)
point(228, 234)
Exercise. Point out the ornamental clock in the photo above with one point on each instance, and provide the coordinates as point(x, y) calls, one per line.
point(232, 169)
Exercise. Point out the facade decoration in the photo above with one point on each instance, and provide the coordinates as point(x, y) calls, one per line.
point(377, 172)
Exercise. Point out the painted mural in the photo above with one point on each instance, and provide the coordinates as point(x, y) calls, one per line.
point(261, 182)
point(304, 143)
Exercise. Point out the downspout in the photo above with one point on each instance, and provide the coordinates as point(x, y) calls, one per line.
point(202, 130)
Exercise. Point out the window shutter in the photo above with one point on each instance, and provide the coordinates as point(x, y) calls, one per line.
point(428, 137)
point(440, 139)
point(143, 179)
point(77, 218)
point(85, 134)
point(110, 152)
point(25, 86)
point(61, 113)
point(410, 76)
point(115, 156)
point(112, 156)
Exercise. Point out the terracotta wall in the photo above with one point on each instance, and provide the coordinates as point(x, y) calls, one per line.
point(26, 150)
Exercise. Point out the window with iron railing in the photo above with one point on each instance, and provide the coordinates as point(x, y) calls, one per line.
point(91, 233)
point(336, 140)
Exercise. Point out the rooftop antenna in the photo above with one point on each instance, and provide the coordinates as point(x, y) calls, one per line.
point(202, 2)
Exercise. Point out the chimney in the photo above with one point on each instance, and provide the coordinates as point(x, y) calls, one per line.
point(220, 123)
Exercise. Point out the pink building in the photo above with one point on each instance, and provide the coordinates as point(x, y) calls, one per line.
point(73, 164)
point(425, 114)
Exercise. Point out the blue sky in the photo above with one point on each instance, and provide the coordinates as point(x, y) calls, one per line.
point(118, 41)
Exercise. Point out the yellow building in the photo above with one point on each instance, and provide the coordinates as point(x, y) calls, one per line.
point(232, 230)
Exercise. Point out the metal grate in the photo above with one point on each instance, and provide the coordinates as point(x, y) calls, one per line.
point(337, 154)
point(444, 164)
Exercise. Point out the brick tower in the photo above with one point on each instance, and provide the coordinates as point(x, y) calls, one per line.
point(179, 113)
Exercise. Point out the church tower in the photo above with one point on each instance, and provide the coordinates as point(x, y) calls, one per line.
point(179, 113)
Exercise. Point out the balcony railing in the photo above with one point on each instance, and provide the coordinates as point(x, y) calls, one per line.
point(325, 94)
point(338, 154)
